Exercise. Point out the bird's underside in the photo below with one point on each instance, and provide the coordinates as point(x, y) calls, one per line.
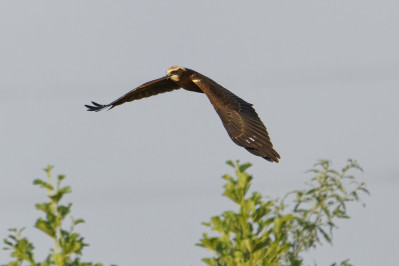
point(239, 117)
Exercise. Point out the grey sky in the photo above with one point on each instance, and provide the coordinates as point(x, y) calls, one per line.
point(322, 75)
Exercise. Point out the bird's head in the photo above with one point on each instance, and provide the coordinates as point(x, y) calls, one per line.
point(175, 73)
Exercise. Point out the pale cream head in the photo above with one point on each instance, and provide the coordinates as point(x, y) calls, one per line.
point(175, 72)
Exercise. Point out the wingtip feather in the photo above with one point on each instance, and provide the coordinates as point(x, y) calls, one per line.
point(96, 107)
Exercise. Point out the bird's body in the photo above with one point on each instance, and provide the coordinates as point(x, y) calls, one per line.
point(239, 117)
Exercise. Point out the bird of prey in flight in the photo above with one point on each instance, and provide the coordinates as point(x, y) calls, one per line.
point(238, 117)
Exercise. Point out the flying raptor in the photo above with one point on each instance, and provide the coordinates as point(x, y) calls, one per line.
point(239, 117)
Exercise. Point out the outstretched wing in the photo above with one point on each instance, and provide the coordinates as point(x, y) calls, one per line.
point(239, 118)
point(148, 89)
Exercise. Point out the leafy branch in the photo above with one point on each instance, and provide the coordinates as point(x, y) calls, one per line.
point(265, 232)
point(68, 244)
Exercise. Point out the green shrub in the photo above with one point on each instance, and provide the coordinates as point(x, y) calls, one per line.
point(68, 244)
point(268, 232)
point(260, 232)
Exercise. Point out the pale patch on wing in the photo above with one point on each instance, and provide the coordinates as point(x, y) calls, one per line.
point(175, 78)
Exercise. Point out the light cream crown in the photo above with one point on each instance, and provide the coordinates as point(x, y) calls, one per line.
point(174, 72)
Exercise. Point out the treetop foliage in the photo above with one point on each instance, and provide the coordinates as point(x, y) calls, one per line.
point(275, 232)
point(260, 232)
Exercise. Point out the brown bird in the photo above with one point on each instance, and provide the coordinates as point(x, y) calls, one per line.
point(239, 117)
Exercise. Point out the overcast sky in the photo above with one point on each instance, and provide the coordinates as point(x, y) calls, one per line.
point(322, 75)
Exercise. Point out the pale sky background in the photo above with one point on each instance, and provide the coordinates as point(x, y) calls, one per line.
point(322, 75)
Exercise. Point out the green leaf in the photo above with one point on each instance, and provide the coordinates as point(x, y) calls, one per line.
point(325, 235)
point(65, 190)
point(231, 163)
point(45, 207)
point(243, 167)
point(42, 184)
point(63, 211)
point(260, 213)
point(45, 227)
point(60, 193)
point(78, 221)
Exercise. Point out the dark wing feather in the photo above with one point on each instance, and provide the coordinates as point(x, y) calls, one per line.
point(239, 118)
point(148, 89)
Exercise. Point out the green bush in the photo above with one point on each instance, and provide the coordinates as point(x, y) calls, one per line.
point(260, 232)
point(68, 245)
point(269, 232)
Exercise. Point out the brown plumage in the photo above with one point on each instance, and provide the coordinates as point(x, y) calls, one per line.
point(239, 117)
